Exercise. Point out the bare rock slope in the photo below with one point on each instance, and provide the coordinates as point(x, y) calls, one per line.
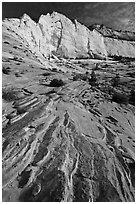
point(56, 34)
point(63, 139)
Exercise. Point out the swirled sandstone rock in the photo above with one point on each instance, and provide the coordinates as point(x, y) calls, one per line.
point(62, 141)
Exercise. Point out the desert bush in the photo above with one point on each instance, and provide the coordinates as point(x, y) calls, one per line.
point(80, 77)
point(117, 58)
point(120, 98)
point(56, 83)
point(93, 76)
point(9, 95)
point(93, 79)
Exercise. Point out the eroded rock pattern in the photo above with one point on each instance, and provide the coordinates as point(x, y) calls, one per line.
point(65, 143)
point(57, 35)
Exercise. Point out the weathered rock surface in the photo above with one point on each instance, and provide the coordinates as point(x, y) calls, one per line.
point(116, 34)
point(66, 142)
point(57, 35)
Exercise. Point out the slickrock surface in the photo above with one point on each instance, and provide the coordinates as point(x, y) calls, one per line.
point(56, 35)
point(66, 142)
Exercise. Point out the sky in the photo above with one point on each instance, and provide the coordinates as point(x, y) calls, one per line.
point(116, 15)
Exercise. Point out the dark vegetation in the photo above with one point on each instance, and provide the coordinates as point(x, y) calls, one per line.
point(12, 94)
point(9, 94)
point(93, 79)
point(57, 83)
point(90, 78)
point(116, 80)
point(123, 59)
point(120, 98)
point(113, 89)
point(79, 77)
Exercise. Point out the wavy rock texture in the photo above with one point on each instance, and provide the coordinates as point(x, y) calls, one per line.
point(67, 143)
point(56, 34)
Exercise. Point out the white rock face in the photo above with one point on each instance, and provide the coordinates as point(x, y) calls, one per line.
point(56, 34)
point(119, 47)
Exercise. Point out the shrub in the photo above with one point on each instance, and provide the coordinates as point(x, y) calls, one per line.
point(117, 58)
point(93, 76)
point(56, 83)
point(80, 77)
point(93, 79)
point(120, 98)
point(9, 95)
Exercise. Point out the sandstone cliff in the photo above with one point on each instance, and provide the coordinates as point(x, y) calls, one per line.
point(116, 34)
point(64, 140)
point(56, 34)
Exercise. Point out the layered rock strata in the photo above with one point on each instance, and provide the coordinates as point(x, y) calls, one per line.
point(65, 142)
point(56, 35)
point(56, 150)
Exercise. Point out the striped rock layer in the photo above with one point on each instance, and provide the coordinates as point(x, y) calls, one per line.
point(67, 143)
point(56, 35)
point(59, 151)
